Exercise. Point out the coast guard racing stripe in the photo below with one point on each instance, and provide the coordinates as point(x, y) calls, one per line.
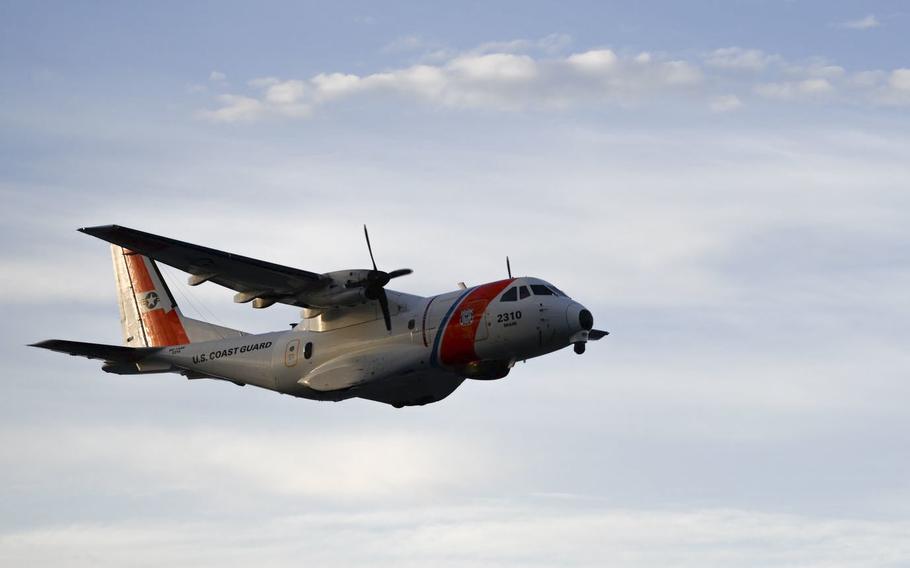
point(461, 329)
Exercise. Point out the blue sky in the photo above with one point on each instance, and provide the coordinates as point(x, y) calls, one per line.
point(723, 184)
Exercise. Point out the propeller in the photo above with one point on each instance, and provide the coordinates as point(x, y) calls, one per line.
point(374, 285)
point(508, 267)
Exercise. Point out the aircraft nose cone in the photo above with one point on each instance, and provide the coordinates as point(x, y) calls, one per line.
point(579, 318)
point(586, 320)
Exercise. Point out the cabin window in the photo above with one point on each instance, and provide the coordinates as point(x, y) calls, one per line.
point(541, 290)
point(410, 324)
point(510, 296)
point(308, 350)
point(523, 292)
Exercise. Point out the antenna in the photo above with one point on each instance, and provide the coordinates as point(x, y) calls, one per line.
point(508, 267)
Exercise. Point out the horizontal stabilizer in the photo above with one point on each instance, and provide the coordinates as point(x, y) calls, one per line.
point(109, 353)
point(596, 334)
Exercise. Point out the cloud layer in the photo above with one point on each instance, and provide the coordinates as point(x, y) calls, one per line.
point(519, 75)
point(557, 531)
point(748, 408)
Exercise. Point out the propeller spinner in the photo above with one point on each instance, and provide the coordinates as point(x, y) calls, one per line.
point(374, 285)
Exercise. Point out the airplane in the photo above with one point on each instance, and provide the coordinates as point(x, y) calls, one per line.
point(355, 338)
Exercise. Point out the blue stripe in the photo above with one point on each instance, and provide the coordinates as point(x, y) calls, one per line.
point(434, 356)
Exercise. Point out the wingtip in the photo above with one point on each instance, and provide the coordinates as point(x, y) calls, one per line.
point(99, 230)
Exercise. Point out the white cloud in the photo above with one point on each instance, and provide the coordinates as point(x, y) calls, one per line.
point(814, 86)
point(494, 67)
point(867, 79)
point(510, 46)
point(739, 58)
point(892, 89)
point(725, 103)
point(501, 80)
point(563, 530)
point(775, 90)
point(523, 74)
point(653, 210)
point(333, 467)
point(235, 108)
point(333, 85)
point(793, 90)
point(900, 80)
point(595, 61)
point(866, 23)
point(680, 73)
point(217, 76)
point(825, 71)
point(35, 281)
point(285, 92)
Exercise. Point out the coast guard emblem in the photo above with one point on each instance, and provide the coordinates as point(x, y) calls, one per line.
point(150, 300)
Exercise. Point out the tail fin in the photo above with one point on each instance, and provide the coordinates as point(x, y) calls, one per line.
point(149, 315)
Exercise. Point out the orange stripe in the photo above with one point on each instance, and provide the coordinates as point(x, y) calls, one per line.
point(458, 341)
point(139, 274)
point(162, 328)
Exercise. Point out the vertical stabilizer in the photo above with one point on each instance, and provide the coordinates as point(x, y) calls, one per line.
point(149, 316)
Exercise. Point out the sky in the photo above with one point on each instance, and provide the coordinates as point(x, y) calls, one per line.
point(723, 184)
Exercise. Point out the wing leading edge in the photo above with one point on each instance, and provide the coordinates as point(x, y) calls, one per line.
point(253, 279)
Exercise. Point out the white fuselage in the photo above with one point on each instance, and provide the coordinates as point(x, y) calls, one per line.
point(435, 343)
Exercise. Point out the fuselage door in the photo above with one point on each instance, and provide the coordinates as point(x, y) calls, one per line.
point(292, 353)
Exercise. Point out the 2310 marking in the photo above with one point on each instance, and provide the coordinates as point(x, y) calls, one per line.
point(508, 317)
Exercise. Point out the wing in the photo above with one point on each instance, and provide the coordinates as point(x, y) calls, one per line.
point(251, 278)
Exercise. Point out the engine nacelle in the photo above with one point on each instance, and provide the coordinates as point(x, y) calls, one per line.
point(338, 296)
point(345, 278)
point(346, 289)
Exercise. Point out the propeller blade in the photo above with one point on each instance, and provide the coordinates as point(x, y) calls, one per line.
point(369, 248)
point(596, 334)
point(374, 284)
point(384, 305)
point(400, 272)
point(509, 267)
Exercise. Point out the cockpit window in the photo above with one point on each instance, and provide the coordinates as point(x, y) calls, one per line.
point(511, 295)
point(541, 290)
point(559, 292)
point(523, 292)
